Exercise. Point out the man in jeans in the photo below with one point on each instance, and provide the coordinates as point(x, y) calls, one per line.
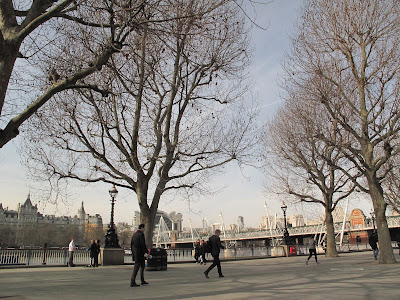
point(71, 249)
point(312, 249)
point(373, 242)
point(215, 248)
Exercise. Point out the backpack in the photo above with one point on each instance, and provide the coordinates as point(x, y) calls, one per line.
point(207, 247)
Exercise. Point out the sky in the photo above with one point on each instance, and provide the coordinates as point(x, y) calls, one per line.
point(243, 193)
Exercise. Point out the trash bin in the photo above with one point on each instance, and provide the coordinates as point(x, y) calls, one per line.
point(157, 261)
point(293, 251)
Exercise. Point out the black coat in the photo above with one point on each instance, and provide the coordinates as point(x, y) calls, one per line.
point(197, 250)
point(215, 242)
point(201, 250)
point(138, 246)
point(93, 250)
point(373, 240)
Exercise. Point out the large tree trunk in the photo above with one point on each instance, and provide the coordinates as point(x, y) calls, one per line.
point(8, 55)
point(147, 215)
point(386, 255)
point(148, 218)
point(330, 234)
point(7, 60)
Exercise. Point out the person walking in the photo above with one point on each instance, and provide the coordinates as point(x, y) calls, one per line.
point(96, 256)
point(216, 246)
point(202, 253)
point(139, 251)
point(312, 249)
point(71, 250)
point(197, 251)
point(93, 253)
point(373, 242)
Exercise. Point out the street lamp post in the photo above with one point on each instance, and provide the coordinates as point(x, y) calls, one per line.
point(373, 218)
point(111, 235)
point(285, 233)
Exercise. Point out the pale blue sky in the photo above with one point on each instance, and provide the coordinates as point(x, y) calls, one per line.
point(242, 195)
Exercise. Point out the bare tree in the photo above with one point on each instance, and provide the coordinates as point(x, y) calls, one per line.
point(29, 32)
point(391, 184)
point(34, 36)
point(164, 115)
point(304, 166)
point(347, 54)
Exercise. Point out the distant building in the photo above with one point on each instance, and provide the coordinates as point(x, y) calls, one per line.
point(136, 219)
point(274, 222)
point(317, 221)
point(28, 213)
point(232, 228)
point(296, 221)
point(265, 224)
point(357, 220)
point(172, 221)
point(338, 214)
point(240, 223)
point(216, 226)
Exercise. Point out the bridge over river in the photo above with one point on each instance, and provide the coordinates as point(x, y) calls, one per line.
point(165, 237)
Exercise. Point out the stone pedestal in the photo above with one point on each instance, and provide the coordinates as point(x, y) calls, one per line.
point(278, 251)
point(111, 256)
point(229, 253)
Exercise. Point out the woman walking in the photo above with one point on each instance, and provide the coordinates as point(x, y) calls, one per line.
point(313, 250)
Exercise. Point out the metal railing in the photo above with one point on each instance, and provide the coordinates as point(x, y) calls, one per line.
point(82, 257)
point(41, 257)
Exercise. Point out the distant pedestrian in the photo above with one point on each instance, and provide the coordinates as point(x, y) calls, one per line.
point(215, 244)
point(202, 252)
point(93, 253)
point(312, 249)
point(139, 251)
point(197, 251)
point(96, 257)
point(71, 250)
point(373, 242)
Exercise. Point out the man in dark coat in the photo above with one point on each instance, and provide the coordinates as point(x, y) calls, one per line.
point(373, 242)
point(139, 250)
point(93, 253)
point(215, 243)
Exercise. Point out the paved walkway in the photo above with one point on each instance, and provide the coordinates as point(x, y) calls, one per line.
point(351, 276)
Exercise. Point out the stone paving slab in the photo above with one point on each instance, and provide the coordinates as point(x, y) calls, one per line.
point(350, 276)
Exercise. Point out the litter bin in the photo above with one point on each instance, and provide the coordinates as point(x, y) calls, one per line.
point(293, 251)
point(157, 260)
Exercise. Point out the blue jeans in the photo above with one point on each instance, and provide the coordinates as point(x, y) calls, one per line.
point(376, 252)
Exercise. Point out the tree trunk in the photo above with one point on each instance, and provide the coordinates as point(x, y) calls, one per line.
point(147, 215)
point(330, 234)
point(8, 56)
point(148, 219)
point(386, 255)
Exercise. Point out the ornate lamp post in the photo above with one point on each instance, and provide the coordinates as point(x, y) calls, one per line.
point(373, 218)
point(111, 235)
point(285, 233)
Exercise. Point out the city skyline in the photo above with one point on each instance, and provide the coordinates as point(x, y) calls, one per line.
point(243, 193)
